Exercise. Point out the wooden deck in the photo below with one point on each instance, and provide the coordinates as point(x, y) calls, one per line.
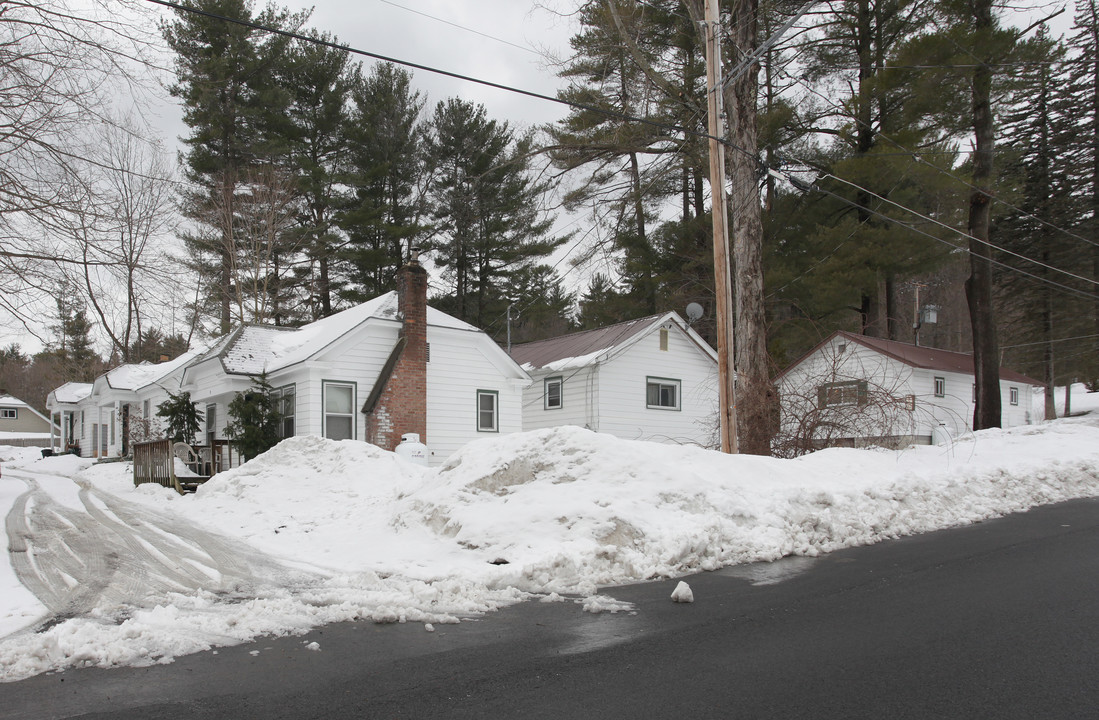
point(155, 462)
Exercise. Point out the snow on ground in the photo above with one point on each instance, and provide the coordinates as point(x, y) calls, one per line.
point(317, 531)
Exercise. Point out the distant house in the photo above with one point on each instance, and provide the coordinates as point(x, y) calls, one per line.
point(101, 418)
point(21, 424)
point(648, 379)
point(374, 372)
point(853, 390)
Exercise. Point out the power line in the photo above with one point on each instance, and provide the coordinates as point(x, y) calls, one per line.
point(461, 27)
point(916, 157)
point(799, 184)
point(1046, 342)
point(967, 236)
point(447, 73)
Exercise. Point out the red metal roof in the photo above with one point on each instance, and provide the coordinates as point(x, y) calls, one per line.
point(543, 352)
point(931, 358)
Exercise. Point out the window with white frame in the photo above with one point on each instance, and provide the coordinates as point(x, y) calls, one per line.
point(488, 403)
point(554, 386)
point(1013, 395)
point(9, 413)
point(662, 393)
point(286, 403)
point(211, 423)
point(940, 387)
point(339, 410)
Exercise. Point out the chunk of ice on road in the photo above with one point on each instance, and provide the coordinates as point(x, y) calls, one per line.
point(682, 593)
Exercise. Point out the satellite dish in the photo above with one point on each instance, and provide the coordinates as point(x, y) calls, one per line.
point(694, 311)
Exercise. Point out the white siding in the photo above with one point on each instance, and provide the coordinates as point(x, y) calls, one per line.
point(460, 366)
point(934, 418)
point(622, 392)
point(578, 398)
point(355, 359)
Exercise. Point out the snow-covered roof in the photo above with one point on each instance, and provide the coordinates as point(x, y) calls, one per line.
point(134, 376)
point(253, 349)
point(583, 348)
point(11, 401)
point(72, 392)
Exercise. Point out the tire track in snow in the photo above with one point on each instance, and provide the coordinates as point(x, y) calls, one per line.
point(115, 555)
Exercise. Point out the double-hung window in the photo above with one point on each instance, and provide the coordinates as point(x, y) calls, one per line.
point(554, 386)
point(211, 423)
point(1013, 395)
point(339, 410)
point(285, 403)
point(662, 393)
point(487, 411)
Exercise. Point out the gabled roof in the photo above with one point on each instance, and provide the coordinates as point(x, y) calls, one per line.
point(917, 356)
point(252, 349)
point(587, 346)
point(134, 376)
point(12, 401)
point(71, 392)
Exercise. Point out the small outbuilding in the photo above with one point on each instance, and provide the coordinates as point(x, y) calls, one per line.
point(653, 378)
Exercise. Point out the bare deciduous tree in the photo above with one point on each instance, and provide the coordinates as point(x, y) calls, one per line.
point(62, 63)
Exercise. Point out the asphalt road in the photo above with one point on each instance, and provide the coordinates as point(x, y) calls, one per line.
point(997, 620)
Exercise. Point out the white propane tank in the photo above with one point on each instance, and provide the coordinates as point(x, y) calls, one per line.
point(411, 449)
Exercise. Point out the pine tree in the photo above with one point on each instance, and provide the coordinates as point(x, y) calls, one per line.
point(254, 419)
point(486, 208)
point(386, 158)
point(318, 79)
point(226, 78)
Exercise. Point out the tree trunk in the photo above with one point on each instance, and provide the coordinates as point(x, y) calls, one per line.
point(978, 287)
point(756, 398)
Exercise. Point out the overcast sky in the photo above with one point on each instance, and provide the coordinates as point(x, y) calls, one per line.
point(502, 41)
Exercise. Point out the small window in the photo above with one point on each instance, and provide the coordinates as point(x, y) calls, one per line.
point(211, 424)
point(487, 401)
point(663, 338)
point(553, 393)
point(339, 413)
point(662, 393)
point(1013, 394)
point(9, 413)
point(286, 404)
point(910, 403)
point(112, 427)
point(851, 392)
point(940, 387)
point(974, 392)
point(146, 410)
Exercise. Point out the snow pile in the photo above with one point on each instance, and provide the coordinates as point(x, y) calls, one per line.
point(342, 530)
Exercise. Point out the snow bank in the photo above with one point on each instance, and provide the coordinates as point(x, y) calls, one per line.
point(549, 512)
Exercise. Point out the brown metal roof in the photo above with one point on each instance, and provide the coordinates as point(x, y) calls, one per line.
point(931, 358)
point(543, 352)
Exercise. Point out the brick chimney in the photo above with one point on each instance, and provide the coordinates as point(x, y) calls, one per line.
point(402, 405)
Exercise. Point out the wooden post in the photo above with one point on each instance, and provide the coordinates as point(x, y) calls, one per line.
point(723, 300)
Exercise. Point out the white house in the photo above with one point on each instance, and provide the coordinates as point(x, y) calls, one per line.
point(100, 418)
point(373, 372)
point(649, 379)
point(855, 390)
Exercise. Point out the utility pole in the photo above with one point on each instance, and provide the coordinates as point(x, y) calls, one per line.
point(723, 298)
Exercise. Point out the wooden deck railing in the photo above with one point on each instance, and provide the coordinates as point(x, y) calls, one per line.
point(154, 462)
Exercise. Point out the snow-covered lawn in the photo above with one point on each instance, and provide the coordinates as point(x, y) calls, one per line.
point(316, 531)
